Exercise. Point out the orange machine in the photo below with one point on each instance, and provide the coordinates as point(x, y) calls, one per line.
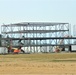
point(16, 51)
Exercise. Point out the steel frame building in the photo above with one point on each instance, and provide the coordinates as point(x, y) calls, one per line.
point(36, 36)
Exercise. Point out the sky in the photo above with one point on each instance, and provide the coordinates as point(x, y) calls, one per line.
point(16, 11)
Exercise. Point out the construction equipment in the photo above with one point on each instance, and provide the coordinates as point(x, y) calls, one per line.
point(15, 50)
point(58, 48)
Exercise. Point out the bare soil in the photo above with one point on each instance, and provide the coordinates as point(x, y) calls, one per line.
point(38, 64)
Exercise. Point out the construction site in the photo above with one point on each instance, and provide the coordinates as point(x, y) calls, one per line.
point(36, 37)
point(37, 48)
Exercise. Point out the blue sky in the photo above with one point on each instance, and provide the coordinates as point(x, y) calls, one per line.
point(15, 11)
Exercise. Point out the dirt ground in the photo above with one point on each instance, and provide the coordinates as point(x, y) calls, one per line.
point(32, 64)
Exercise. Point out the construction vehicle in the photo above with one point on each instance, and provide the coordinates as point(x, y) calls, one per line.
point(59, 48)
point(15, 50)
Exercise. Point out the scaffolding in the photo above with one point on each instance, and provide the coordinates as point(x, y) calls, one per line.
point(35, 36)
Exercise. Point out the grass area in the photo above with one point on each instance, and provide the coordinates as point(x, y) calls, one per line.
point(46, 57)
